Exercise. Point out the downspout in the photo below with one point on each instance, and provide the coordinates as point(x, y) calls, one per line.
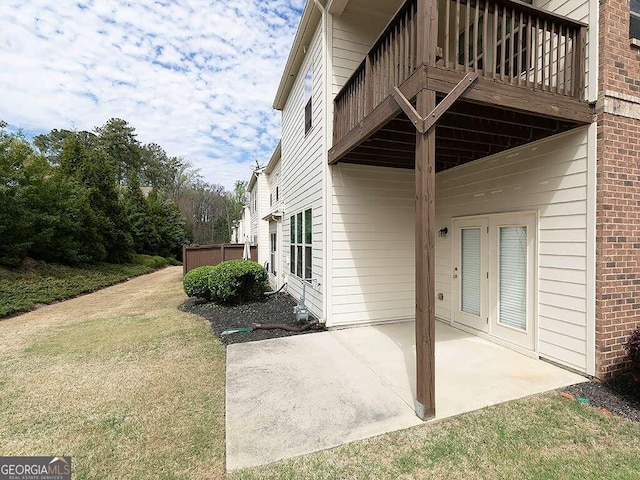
point(592, 182)
point(325, 181)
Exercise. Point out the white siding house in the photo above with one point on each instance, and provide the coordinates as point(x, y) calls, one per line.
point(361, 248)
point(302, 178)
point(242, 230)
point(274, 216)
point(258, 207)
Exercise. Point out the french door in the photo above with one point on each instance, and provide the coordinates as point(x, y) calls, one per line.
point(494, 276)
point(469, 273)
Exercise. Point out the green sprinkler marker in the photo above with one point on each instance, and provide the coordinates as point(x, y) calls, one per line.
point(237, 330)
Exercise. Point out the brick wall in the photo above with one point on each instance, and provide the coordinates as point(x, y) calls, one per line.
point(618, 190)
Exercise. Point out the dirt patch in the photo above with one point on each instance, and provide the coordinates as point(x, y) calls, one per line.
point(620, 396)
point(276, 308)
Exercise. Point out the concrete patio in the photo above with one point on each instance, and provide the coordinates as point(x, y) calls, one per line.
point(296, 395)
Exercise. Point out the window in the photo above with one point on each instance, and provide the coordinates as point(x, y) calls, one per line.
point(271, 199)
point(301, 249)
point(277, 194)
point(634, 19)
point(308, 110)
point(272, 261)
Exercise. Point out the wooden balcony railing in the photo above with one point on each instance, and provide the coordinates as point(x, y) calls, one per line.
point(391, 60)
point(504, 40)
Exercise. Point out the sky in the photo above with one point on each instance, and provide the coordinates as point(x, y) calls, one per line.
point(196, 77)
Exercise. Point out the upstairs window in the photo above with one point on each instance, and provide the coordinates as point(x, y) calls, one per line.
point(308, 110)
point(634, 19)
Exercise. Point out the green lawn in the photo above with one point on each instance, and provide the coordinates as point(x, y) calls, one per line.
point(121, 380)
point(20, 291)
point(543, 437)
point(131, 387)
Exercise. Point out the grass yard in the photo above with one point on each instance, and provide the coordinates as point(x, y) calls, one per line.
point(20, 291)
point(131, 387)
point(121, 380)
point(544, 437)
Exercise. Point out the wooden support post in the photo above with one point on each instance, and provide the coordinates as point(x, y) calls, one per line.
point(425, 261)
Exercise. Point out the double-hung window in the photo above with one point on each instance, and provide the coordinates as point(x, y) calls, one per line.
point(301, 249)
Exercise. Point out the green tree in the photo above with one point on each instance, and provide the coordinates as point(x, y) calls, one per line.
point(143, 232)
point(117, 139)
point(168, 224)
point(19, 179)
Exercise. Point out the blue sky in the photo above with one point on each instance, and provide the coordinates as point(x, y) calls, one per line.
point(197, 77)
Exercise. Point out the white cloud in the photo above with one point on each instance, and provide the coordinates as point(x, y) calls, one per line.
point(197, 77)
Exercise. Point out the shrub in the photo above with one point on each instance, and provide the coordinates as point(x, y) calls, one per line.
point(633, 348)
point(196, 282)
point(237, 281)
point(172, 261)
point(153, 261)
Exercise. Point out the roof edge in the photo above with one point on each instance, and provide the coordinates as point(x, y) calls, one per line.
point(275, 158)
point(296, 54)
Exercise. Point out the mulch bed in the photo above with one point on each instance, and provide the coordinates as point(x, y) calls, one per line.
point(277, 308)
point(620, 396)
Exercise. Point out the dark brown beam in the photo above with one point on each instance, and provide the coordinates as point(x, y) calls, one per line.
point(388, 155)
point(486, 126)
point(487, 138)
point(456, 153)
point(379, 163)
point(510, 117)
point(446, 134)
point(512, 97)
point(384, 112)
point(461, 145)
point(385, 145)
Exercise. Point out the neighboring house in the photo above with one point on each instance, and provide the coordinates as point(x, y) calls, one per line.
point(507, 211)
point(258, 192)
point(273, 215)
point(242, 229)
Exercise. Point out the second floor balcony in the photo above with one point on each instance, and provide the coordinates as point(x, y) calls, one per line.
point(530, 65)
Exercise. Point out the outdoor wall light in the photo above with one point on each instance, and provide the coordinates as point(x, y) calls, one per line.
point(443, 232)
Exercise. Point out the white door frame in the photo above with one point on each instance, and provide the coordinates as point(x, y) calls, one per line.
point(492, 329)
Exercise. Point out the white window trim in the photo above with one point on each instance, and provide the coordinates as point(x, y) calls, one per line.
point(293, 258)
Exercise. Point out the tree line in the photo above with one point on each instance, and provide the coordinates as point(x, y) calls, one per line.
point(102, 196)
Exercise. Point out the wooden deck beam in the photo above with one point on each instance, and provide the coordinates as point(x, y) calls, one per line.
point(512, 97)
